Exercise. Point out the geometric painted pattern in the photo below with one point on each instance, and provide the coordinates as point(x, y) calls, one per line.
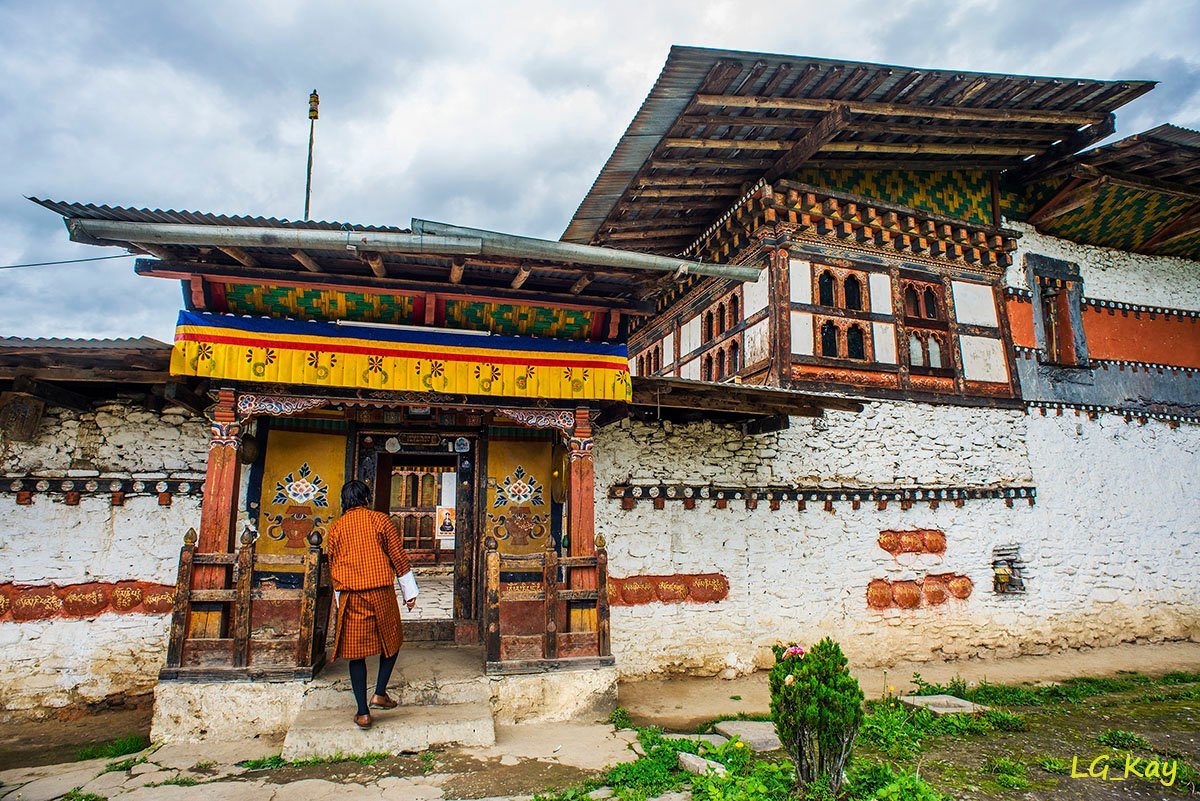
point(317, 304)
point(1118, 217)
point(516, 320)
point(962, 194)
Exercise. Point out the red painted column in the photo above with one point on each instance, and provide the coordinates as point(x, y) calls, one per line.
point(218, 509)
point(581, 523)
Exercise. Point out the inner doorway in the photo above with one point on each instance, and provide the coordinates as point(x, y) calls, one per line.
point(420, 493)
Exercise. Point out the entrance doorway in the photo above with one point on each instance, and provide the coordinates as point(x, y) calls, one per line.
point(425, 481)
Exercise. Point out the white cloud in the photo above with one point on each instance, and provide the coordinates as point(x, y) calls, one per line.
point(491, 114)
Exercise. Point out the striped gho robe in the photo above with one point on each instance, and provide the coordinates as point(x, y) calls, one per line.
point(366, 554)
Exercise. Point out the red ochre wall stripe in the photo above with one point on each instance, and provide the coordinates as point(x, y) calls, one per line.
point(1136, 337)
point(22, 602)
point(1122, 334)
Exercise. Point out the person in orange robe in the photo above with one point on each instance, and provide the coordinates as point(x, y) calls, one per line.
point(366, 555)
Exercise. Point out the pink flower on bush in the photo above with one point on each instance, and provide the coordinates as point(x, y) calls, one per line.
point(793, 650)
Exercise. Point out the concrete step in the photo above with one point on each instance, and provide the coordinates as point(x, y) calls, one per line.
point(425, 675)
point(324, 732)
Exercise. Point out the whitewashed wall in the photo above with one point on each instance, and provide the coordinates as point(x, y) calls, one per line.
point(1113, 274)
point(1108, 545)
point(61, 662)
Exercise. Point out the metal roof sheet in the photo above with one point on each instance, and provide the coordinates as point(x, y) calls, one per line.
point(689, 70)
point(92, 211)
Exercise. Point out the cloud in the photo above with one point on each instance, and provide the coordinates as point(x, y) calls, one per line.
point(498, 115)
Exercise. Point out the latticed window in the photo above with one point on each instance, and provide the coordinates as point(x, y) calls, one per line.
point(829, 340)
point(855, 344)
point(826, 295)
point(852, 289)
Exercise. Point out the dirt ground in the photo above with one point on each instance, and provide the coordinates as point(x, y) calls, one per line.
point(46, 742)
point(682, 703)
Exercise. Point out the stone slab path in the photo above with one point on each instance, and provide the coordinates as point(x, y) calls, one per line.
point(524, 759)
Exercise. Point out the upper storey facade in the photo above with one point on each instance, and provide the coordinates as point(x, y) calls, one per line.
point(916, 232)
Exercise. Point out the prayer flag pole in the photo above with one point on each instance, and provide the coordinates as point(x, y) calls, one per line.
point(313, 102)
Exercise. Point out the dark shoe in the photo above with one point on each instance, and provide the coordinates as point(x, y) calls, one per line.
point(363, 721)
point(383, 702)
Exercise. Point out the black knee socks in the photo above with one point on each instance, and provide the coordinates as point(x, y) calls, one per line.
point(358, 681)
point(386, 663)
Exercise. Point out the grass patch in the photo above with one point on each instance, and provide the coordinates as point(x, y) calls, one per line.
point(1118, 738)
point(123, 765)
point(277, 761)
point(1006, 772)
point(112, 749)
point(899, 731)
point(1055, 765)
point(207, 764)
point(620, 718)
point(1071, 691)
point(77, 794)
point(176, 781)
point(735, 698)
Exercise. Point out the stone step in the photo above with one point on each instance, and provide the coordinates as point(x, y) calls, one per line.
point(324, 732)
point(425, 674)
point(338, 695)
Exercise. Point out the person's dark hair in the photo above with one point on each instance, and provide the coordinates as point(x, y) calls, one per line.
point(355, 493)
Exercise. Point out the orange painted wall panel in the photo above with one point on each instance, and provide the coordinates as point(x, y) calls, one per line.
point(1126, 337)
point(1020, 320)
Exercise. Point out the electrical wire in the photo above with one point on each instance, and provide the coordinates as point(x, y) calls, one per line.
point(68, 261)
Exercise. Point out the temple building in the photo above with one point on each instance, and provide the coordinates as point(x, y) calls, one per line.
point(902, 356)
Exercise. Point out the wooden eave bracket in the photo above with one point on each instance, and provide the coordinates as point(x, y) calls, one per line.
point(1042, 165)
point(813, 140)
point(1077, 193)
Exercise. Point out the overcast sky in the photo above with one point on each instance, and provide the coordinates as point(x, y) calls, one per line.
point(497, 115)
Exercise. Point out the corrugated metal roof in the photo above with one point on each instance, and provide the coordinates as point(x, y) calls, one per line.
point(62, 343)
point(691, 71)
point(91, 211)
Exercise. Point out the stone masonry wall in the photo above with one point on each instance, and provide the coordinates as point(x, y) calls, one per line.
point(1106, 544)
point(60, 661)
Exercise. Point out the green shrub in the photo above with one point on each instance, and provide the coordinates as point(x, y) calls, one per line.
point(895, 729)
point(863, 780)
point(1000, 720)
point(747, 779)
point(1117, 738)
point(817, 708)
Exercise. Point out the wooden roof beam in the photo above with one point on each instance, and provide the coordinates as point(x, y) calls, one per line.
point(457, 267)
point(913, 148)
point(1065, 150)
point(688, 180)
point(581, 283)
point(521, 277)
point(661, 233)
point(308, 262)
point(375, 262)
point(817, 137)
point(240, 256)
point(1142, 183)
point(904, 110)
point(157, 251)
point(730, 164)
point(52, 394)
point(697, 191)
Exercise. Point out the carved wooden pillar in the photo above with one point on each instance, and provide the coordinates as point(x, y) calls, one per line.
point(218, 509)
point(582, 515)
point(779, 301)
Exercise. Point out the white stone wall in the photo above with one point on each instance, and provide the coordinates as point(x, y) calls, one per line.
point(57, 662)
point(1107, 545)
point(1113, 274)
